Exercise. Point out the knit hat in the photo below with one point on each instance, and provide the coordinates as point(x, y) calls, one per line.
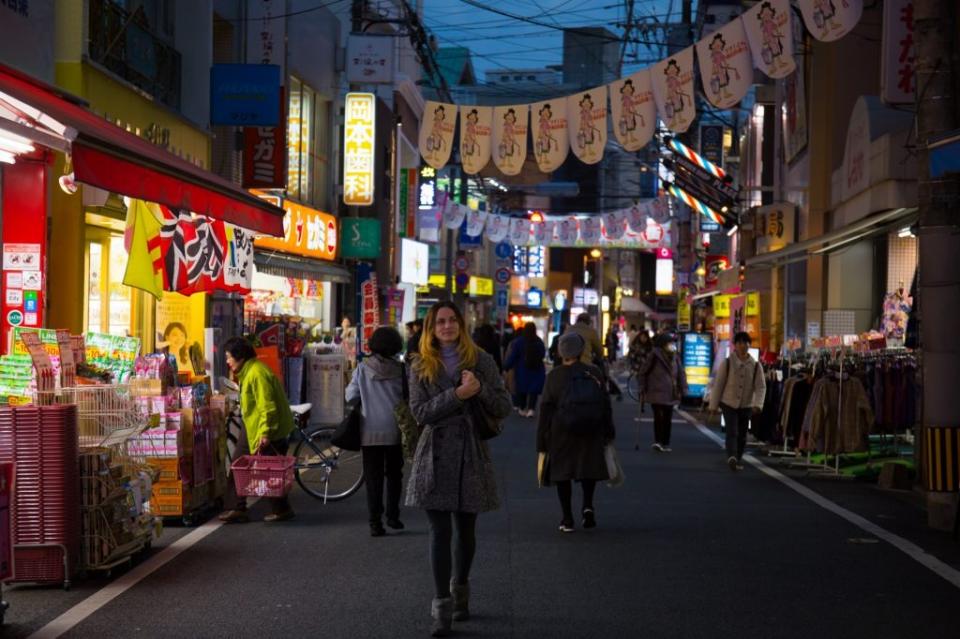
point(570, 346)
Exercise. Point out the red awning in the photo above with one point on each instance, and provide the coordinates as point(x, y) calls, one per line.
point(108, 157)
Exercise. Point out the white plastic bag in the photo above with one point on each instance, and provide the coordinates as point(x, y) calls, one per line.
point(614, 469)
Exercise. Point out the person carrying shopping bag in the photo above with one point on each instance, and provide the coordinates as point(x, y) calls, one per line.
point(525, 359)
point(378, 383)
point(267, 421)
point(575, 426)
point(456, 391)
point(662, 384)
point(739, 392)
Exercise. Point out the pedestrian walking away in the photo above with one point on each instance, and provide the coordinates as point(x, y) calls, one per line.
point(575, 425)
point(663, 383)
point(414, 331)
point(267, 419)
point(486, 338)
point(525, 358)
point(378, 383)
point(738, 391)
point(452, 383)
point(593, 349)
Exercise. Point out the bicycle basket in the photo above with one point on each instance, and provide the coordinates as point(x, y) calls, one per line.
point(263, 475)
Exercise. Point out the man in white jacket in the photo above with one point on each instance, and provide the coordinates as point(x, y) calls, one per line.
point(738, 391)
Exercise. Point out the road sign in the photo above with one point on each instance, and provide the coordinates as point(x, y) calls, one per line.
point(461, 263)
point(504, 250)
point(462, 279)
point(502, 276)
point(503, 298)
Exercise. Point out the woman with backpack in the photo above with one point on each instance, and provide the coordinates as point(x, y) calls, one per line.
point(575, 426)
point(453, 385)
point(525, 358)
point(378, 383)
point(662, 384)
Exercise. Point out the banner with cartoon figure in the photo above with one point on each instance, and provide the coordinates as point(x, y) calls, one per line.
point(587, 112)
point(520, 231)
point(829, 20)
point(613, 223)
point(497, 227)
point(725, 65)
point(541, 237)
point(475, 222)
point(633, 110)
point(510, 137)
point(475, 132)
point(551, 142)
point(672, 81)
point(770, 33)
point(590, 230)
point(637, 217)
point(566, 231)
point(436, 133)
point(453, 213)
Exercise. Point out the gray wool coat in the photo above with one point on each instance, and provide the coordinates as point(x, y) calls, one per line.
point(662, 379)
point(452, 469)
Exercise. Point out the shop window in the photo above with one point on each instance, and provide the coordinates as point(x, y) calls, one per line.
point(308, 146)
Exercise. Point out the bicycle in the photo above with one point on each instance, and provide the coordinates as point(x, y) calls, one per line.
point(323, 470)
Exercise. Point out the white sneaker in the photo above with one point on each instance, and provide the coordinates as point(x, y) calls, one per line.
point(657, 447)
point(666, 449)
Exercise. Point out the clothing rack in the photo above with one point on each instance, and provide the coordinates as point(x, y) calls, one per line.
point(825, 358)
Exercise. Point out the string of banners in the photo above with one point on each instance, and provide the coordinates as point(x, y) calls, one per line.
point(645, 225)
point(762, 38)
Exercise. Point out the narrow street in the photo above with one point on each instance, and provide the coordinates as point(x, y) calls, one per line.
point(684, 549)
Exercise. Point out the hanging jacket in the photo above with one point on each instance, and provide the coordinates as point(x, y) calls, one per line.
point(837, 428)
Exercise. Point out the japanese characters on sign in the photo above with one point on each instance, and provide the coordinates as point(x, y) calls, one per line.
point(245, 95)
point(358, 149)
point(264, 147)
point(774, 227)
point(370, 59)
point(307, 232)
point(203, 254)
point(370, 310)
point(898, 79)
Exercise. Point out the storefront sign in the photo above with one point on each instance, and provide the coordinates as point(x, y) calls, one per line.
point(359, 237)
point(359, 133)
point(307, 232)
point(856, 156)
point(265, 156)
point(753, 304)
point(408, 204)
point(395, 299)
point(721, 306)
point(370, 59)
point(414, 262)
point(325, 388)
point(711, 143)
point(664, 275)
point(684, 315)
point(245, 95)
point(775, 226)
point(898, 78)
point(480, 286)
point(369, 310)
point(697, 362)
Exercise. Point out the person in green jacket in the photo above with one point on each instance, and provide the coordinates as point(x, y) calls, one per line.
point(267, 421)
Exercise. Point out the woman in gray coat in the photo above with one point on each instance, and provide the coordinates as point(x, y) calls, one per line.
point(452, 476)
point(662, 384)
point(378, 383)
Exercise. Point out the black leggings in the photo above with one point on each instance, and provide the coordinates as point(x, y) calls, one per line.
point(565, 492)
point(441, 534)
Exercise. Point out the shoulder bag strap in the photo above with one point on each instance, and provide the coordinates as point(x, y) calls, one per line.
point(405, 382)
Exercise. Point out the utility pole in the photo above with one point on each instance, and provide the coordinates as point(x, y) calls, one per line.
point(935, 24)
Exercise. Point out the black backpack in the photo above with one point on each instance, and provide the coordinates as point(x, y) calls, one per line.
point(581, 409)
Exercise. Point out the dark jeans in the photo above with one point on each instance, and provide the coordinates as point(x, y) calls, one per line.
point(662, 423)
point(525, 401)
point(565, 492)
point(383, 463)
point(737, 423)
point(441, 535)
point(277, 504)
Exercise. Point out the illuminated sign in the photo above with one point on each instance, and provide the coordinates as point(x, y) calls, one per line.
point(535, 297)
point(359, 133)
point(306, 232)
point(415, 262)
point(428, 188)
point(664, 278)
point(475, 287)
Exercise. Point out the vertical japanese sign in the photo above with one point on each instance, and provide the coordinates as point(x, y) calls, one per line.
point(358, 149)
point(264, 148)
point(407, 203)
point(369, 310)
point(395, 298)
point(898, 79)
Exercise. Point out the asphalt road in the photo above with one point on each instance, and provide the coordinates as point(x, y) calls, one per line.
point(684, 549)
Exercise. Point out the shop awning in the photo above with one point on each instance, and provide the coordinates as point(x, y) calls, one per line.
point(108, 157)
point(866, 228)
point(276, 263)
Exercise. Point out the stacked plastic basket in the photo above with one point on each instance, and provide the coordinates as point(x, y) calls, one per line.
point(46, 509)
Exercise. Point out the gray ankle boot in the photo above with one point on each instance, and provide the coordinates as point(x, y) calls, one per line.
point(461, 601)
point(442, 613)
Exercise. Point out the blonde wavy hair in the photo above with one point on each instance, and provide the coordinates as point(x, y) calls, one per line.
point(429, 363)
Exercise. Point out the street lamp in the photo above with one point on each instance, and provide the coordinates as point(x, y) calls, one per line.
point(596, 253)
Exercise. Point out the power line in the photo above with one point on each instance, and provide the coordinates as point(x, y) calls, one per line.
point(291, 14)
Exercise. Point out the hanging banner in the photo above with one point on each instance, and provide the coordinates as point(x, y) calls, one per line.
point(588, 137)
point(453, 212)
point(770, 34)
point(520, 231)
point(552, 142)
point(436, 133)
point(634, 110)
point(540, 235)
point(566, 231)
point(898, 80)
point(475, 222)
point(613, 224)
point(590, 230)
point(658, 209)
point(498, 227)
point(725, 65)
point(510, 137)
point(475, 131)
point(672, 81)
point(829, 20)
point(201, 254)
point(637, 217)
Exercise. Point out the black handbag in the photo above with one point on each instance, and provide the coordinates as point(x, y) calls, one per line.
point(486, 425)
point(348, 435)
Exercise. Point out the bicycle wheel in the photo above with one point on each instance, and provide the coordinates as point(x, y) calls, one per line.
point(325, 471)
point(633, 387)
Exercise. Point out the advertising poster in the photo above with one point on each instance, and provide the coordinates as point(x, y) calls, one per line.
point(325, 388)
point(179, 323)
point(697, 362)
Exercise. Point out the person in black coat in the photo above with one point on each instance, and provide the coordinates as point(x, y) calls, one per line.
point(485, 336)
point(571, 456)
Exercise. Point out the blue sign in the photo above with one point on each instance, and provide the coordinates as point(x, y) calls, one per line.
point(467, 242)
point(697, 362)
point(709, 226)
point(504, 250)
point(503, 299)
point(245, 95)
point(535, 297)
point(30, 306)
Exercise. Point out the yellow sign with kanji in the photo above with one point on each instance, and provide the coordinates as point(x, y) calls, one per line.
point(359, 133)
point(721, 306)
point(753, 304)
